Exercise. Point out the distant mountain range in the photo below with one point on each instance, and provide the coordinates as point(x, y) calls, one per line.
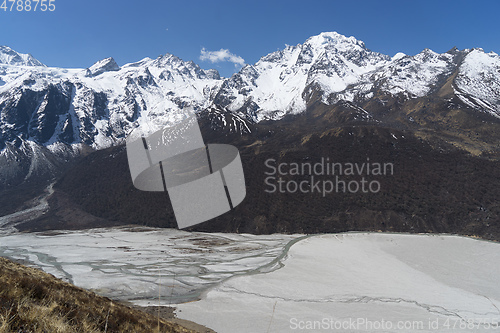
point(331, 90)
point(65, 110)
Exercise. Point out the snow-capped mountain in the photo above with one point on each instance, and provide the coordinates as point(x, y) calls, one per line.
point(100, 105)
point(10, 57)
point(60, 112)
point(276, 84)
point(65, 110)
point(342, 69)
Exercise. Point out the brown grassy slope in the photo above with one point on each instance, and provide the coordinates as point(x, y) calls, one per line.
point(34, 301)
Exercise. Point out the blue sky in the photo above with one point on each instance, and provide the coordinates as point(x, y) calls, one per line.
point(79, 32)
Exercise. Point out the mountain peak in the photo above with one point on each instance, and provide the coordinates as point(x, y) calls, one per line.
point(333, 35)
point(10, 57)
point(453, 50)
point(333, 39)
point(168, 59)
point(398, 56)
point(104, 65)
point(341, 49)
point(187, 68)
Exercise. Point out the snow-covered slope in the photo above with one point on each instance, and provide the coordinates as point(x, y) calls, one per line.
point(414, 75)
point(478, 81)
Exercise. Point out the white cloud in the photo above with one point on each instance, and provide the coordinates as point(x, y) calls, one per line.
point(220, 56)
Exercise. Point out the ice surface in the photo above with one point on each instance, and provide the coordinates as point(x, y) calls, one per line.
point(132, 263)
point(409, 280)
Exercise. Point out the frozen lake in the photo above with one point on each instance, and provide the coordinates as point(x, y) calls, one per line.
point(352, 282)
point(137, 263)
point(361, 282)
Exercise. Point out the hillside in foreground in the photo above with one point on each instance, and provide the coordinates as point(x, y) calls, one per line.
point(34, 301)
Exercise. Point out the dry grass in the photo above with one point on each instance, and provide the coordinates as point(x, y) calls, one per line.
point(35, 302)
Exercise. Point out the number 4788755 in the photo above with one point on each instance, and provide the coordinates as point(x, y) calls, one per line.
point(28, 5)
